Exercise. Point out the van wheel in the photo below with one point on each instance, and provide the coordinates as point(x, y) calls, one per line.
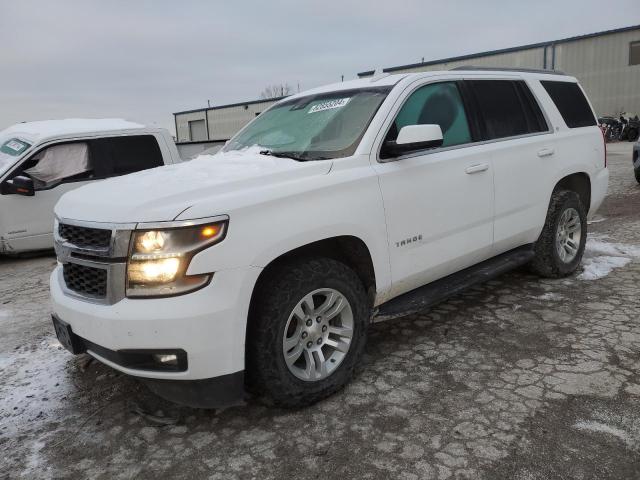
point(560, 247)
point(307, 331)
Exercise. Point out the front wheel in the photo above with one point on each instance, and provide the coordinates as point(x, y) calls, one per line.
point(307, 331)
point(560, 247)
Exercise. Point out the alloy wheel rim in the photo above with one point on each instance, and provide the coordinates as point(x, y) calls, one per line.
point(318, 334)
point(568, 235)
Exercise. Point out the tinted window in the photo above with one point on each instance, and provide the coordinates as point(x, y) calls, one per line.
point(500, 107)
point(122, 155)
point(571, 103)
point(535, 119)
point(437, 103)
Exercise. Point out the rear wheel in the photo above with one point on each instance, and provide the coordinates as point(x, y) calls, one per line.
point(637, 172)
point(307, 331)
point(561, 244)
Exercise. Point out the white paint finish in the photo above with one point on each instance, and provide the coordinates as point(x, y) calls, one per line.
point(26, 223)
point(451, 201)
point(445, 213)
point(419, 133)
point(209, 324)
point(523, 185)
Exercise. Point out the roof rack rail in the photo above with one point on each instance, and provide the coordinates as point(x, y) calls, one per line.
point(507, 69)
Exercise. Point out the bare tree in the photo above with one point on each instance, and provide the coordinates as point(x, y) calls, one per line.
point(275, 91)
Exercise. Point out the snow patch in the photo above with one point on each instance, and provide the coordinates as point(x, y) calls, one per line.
point(598, 427)
point(550, 296)
point(601, 258)
point(596, 219)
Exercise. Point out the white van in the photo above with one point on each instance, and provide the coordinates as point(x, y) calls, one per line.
point(262, 266)
point(41, 161)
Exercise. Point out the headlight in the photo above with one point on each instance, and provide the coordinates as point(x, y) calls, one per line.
point(159, 259)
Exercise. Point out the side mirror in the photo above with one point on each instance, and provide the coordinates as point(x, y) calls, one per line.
point(19, 186)
point(413, 138)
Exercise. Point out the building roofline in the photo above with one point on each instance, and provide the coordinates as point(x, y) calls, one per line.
point(500, 51)
point(230, 105)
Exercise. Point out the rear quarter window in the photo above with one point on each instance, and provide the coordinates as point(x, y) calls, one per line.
point(571, 103)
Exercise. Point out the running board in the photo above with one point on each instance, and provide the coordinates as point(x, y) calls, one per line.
point(435, 292)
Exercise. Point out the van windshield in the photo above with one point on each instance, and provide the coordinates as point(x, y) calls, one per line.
point(10, 149)
point(314, 127)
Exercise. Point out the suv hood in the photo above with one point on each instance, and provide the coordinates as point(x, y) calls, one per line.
point(162, 193)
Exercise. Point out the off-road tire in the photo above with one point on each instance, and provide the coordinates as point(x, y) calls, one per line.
point(547, 262)
point(267, 373)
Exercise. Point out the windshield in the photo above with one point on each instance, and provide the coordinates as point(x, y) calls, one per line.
point(10, 149)
point(315, 127)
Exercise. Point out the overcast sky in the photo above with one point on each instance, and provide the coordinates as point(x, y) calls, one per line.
point(143, 60)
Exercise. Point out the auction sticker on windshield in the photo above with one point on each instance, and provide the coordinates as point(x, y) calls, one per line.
point(337, 103)
point(14, 147)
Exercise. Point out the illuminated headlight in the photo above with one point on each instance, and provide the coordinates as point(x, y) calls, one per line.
point(159, 259)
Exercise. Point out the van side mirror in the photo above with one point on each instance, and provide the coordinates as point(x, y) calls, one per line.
point(413, 138)
point(19, 185)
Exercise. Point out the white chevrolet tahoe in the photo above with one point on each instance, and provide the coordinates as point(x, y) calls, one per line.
point(41, 161)
point(260, 268)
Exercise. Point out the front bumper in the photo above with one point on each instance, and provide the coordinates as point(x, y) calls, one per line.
point(209, 325)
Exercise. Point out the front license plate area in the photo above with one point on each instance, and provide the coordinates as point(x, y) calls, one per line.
point(66, 337)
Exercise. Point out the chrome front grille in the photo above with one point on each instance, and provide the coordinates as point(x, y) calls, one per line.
point(93, 258)
point(85, 281)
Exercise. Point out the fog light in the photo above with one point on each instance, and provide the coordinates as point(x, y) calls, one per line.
point(166, 359)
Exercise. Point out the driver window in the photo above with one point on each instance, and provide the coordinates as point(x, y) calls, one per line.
point(436, 103)
point(58, 163)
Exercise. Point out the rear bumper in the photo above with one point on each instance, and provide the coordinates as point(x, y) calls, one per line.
point(599, 186)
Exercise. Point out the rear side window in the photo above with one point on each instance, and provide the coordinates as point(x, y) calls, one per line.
point(571, 103)
point(121, 155)
point(507, 108)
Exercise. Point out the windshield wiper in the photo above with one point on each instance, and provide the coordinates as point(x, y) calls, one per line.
point(290, 155)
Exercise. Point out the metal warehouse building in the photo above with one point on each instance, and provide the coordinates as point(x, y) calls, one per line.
point(208, 127)
point(607, 64)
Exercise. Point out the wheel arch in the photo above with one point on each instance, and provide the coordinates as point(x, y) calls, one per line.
point(348, 249)
point(578, 182)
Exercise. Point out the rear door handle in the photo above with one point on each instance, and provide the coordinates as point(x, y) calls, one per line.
point(546, 152)
point(481, 167)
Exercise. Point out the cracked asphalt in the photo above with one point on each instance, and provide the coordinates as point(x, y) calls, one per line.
point(519, 378)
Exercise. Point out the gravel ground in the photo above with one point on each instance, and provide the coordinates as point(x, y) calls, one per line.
point(520, 378)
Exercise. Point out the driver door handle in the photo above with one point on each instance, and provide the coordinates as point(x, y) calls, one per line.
point(481, 167)
point(546, 152)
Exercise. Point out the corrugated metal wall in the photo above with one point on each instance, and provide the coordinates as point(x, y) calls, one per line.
point(224, 122)
point(531, 58)
point(182, 124)
point(601, 63)
point(602, 66)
